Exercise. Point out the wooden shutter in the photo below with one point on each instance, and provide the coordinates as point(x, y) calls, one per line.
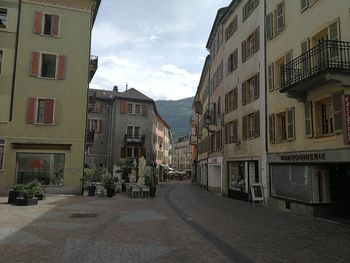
point(244, 84)
point(229, 63)
point(101, 104)
point(269, 26)
point(304, 4)
point(270, 77)
point(99, 126)
point(61, 67)
point(123, 107)
point(31, 107)
point(256, 86)
point(235, 131)
point(235, 98)
point(290, 124)
point(123, 152)
point(257, 124)
point(244, 50)
point(235, 58)
point(34, 64)
point(49, 111)
point(226, 133)
point(244, 127)
point(308, 119)
point(272, 128)
point(38, 18)
point(55, 26)
point(144, 110)
point(256, 39)
point(226, 102)
point(337, 105)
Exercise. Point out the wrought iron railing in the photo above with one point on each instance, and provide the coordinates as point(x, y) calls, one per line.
point(327, 56)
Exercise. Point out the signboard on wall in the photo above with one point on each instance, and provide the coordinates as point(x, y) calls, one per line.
point(347, 119)
point(257, 194)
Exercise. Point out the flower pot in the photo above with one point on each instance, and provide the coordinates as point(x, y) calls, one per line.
point(21, 201)
point(91, 190)
point(110, 192)
point(152, 191)
point(13, 194)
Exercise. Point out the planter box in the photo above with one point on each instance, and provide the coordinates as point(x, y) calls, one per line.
point(20, 201)
point(12, 196)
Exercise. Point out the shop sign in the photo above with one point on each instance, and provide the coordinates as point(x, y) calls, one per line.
point(347, 118)
point(302, 157)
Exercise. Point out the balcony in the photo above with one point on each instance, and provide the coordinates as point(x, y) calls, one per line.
point(93, 66)
point(193, 139)
point(90, 137)
point(328, 61)
point(134, 141)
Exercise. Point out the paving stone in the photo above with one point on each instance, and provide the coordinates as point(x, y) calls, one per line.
point(13, 235)
point(141, 215)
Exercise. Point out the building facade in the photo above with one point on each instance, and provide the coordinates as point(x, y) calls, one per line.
point(182, 155)
point(43, 80)
point(308, 99)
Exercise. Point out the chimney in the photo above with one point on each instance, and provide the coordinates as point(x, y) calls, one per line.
point(115, 88)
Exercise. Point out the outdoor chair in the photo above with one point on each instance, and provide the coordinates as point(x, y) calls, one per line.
point(145, 191)
point(135, 190)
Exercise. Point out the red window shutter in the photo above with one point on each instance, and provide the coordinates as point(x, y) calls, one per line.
point(244, 93)
point(38, 18)
point(31, 105)
point(123, 107)
point(144, 110)
point(101, 106)
point(55, 26)
point(48, 115)
point(257, 124)
point(123, 152)
point(256, 38)
point(34, 64)
point(244, 47)
point(61, 70)
point(143, 152)
point(244, 126)
point(256, 86)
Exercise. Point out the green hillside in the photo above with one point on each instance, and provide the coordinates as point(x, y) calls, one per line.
point(177, 114)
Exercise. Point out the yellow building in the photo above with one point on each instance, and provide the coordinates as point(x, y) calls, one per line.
point(44, 76)
point(308, 105)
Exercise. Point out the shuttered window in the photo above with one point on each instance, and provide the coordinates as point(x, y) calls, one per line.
point(280, 17)
point(308, 119)
point(337, 109)
point(95, 125)
point(290, 124)
point(40, 111)
point(269, 26)
point(47, 24)
point(251, 125)
point(272, 128)
point(250, 90)
point(270, 77)
point(47, 65)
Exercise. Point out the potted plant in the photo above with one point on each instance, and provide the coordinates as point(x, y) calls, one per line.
point(38, 189)
point(28, 196)
point(108, 183)
point(91, 177)
point(15, 192)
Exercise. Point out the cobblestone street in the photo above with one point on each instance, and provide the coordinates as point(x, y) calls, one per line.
point(184, 223)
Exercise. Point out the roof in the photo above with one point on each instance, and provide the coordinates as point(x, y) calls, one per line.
point(102, 94)
point(221, 12)
point(134, 95)
point(95, 11)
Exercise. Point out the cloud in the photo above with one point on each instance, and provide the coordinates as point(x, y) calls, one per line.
point(158, 82)
point(153, 37)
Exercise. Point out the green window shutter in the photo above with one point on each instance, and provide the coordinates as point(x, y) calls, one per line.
point(290, 120)
point(308, 119)
point(337, 105)
point(272, 128)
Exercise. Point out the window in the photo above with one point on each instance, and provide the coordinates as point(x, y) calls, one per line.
point(96, 107)
point(47, 24)
point(137, 109)
point(130, 108)
point(275, 21)
point(232, 61)
point(95, 125)
point(133, 152)
point(231, 100)
point(1, 59)
point(251, 125)
point(134, 108)
point(329, 115)
point(231, 132)
point(48, 169)
point(276, 73)
point(231, 29)
point(250, 90)
point(47, 65)
point(40, 111)
point(251, 45)
point(137, 132)
point(133, 132)
point(2, 153)
point(249, 8)
point(3, 17)
point(281, 126)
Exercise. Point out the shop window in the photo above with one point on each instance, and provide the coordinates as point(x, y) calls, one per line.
point(3, 17)
point(48, 169)
point(236, 177)
point(2, 154)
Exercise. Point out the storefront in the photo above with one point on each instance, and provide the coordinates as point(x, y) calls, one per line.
point(215, 174)
point(241, 175)
point(202, 178)
point(312, 183)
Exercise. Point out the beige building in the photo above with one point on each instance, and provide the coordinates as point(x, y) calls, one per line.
point(308, 105)
point(44, 76)
point(182, 155)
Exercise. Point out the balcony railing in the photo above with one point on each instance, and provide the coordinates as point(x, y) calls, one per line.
point(328, 56)
point(90, 136)
point(93, 66)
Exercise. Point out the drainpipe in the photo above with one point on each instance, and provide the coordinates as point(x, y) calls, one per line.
point(15, 60)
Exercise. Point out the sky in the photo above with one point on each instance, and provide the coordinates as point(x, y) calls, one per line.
point(155, 46)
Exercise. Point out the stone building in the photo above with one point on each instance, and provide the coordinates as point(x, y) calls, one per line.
point(182, 155)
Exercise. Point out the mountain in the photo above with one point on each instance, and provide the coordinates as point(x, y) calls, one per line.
point(177, 114)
